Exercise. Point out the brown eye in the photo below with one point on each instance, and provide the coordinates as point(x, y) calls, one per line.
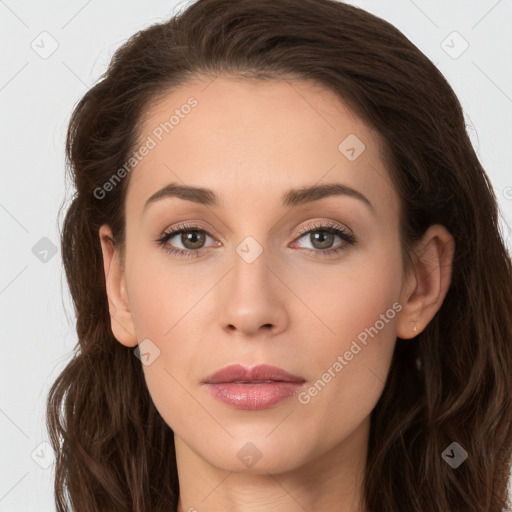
point(192, 239)
point(322, 239)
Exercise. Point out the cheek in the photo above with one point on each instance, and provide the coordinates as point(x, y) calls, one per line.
point(358, 308)
point(164, 302)
point(163, 310)
point(161, 293)
point(351, 295)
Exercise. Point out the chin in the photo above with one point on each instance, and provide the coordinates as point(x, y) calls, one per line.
point(258, 454)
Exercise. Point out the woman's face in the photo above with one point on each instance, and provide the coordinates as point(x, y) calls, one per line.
point(262, 277)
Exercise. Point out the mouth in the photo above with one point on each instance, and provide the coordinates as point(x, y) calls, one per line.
point(254, 388)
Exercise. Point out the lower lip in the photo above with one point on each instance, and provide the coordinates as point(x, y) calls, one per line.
point(253, 396)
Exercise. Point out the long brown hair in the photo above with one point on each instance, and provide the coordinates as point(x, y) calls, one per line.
point(450, 384)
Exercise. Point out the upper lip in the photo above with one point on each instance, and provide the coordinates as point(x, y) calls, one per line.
point(259, 373)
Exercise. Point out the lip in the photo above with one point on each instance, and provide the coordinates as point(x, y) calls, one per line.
point(259, 373)
point(253, 388)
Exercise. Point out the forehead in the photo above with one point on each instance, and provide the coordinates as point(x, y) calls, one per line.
point(254, 139)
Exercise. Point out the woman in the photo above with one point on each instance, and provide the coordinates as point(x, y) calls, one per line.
point(290, 285)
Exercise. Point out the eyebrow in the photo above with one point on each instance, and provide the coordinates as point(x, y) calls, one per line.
point(293, 197)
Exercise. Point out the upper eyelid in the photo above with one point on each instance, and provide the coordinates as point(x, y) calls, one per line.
point(185, 226)
point(326, 225)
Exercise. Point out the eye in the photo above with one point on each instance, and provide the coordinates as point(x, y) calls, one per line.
point(190, 236)
point(322, 235)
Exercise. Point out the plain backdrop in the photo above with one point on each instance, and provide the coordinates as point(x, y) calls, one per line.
point(51, 53)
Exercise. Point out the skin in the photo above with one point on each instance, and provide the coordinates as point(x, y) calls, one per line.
point(291, 307)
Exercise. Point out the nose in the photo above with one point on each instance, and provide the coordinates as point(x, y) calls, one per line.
point(254, 298)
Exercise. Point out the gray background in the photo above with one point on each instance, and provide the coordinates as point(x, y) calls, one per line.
point(37, 93)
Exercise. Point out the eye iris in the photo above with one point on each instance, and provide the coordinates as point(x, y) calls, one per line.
point(324, 237)
point(191, 237)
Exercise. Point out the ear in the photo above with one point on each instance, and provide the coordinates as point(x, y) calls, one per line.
point(119, 307)
point(427, 283)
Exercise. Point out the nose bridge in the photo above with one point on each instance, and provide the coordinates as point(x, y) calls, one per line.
point(251, 264)
point(254, 262)
point(251, 297)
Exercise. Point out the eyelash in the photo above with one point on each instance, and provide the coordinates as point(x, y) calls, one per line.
point(346, 236)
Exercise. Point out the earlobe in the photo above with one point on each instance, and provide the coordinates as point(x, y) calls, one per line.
point(428, 281)
point(121, 320)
